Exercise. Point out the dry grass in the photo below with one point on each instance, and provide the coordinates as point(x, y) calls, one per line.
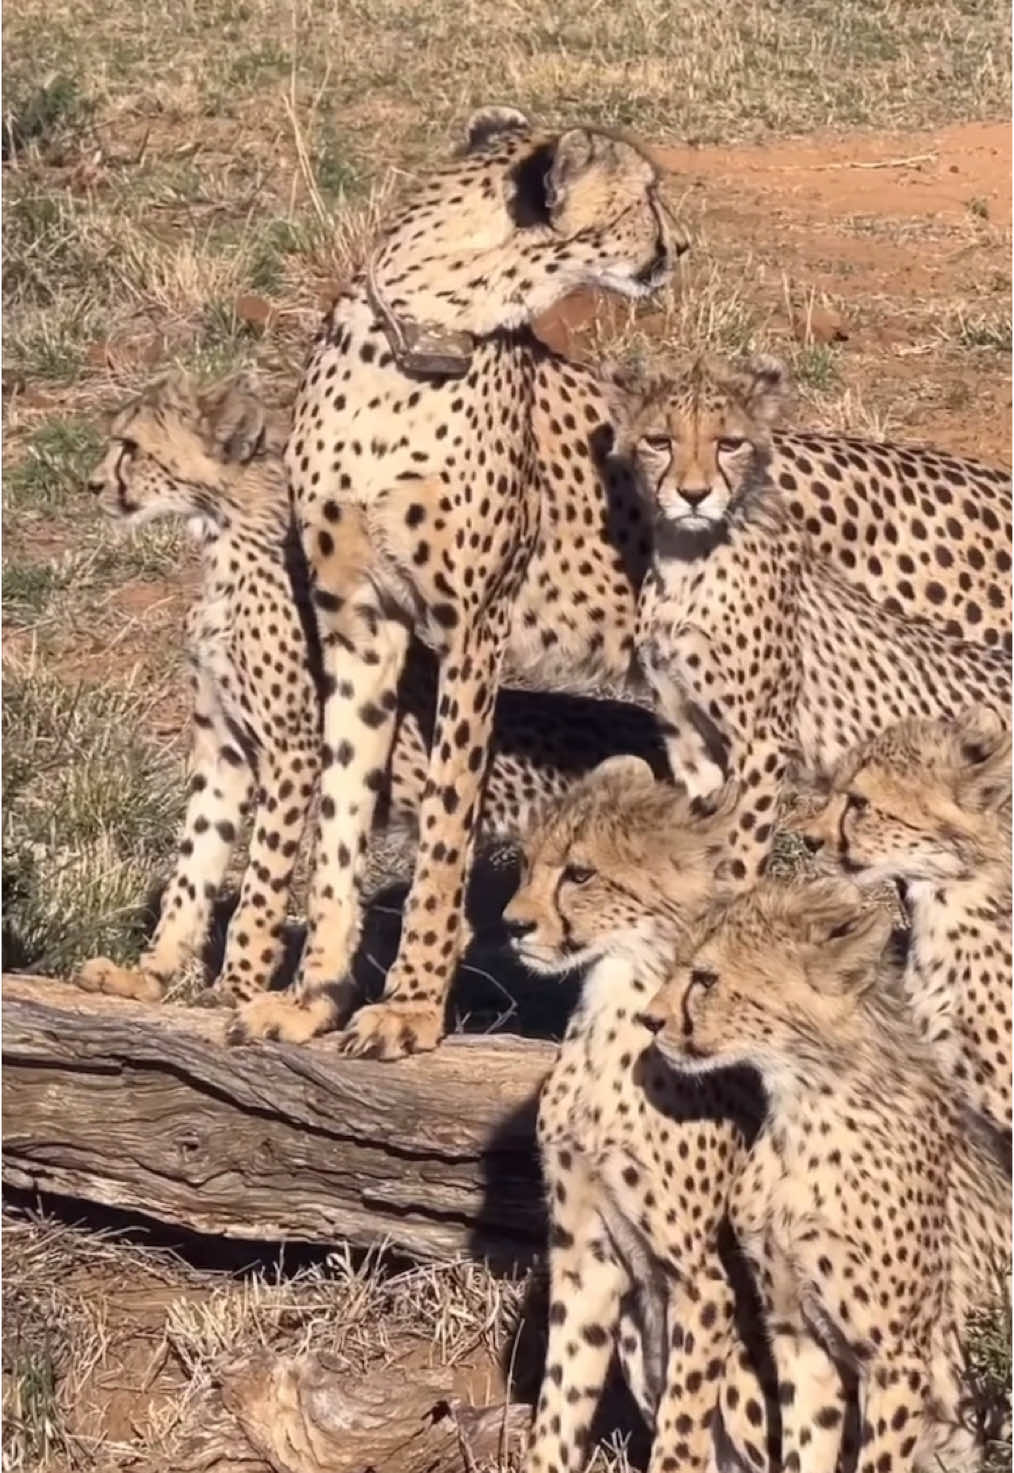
point(68, 1334)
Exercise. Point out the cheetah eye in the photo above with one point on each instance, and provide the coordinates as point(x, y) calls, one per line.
point(128, 447)
point(856, 802)
point(729, 443)
point(578, 874)
point(702, 977)
point(657, 443)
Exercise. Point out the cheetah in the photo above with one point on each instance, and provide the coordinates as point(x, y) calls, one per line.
point(928, 803)
point(754, 644)
point(214, 460)
point(400, 384)
point(637, 1169)
point(874, 1217)
point(413, 467)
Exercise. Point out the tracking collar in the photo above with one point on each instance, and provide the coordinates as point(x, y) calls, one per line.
point(420, 347)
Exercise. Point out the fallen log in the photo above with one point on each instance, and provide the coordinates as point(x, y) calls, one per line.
point(145, 1108)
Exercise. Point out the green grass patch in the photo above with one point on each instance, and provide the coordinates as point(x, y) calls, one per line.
point(90, 810)
point(52, 475)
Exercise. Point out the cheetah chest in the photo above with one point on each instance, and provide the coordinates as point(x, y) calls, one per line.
point(592, 1100)
point(442, 470)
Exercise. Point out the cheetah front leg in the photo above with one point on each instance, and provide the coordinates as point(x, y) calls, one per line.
point(896, 1423)
point(254, 945)
point(410, 1018)
point(220, 786)
point(700, 1312)
point(586, 1283)
point(362, 649)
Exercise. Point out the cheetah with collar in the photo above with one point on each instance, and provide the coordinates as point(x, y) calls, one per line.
point(414, 471)
point(754, 643)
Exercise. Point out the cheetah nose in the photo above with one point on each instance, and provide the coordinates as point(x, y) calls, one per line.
point(694, 495)
point(652, 1021)
point(813, 842)
point(517, 928)
point(95, 487)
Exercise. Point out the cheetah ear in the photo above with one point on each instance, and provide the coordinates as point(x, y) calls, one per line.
point(803, 787)
point(981, 755)
point(488, 122)
point(842, 934)
point(235, 418)
point(575, 152)
point(760, 383)
point(717, 806)
point(767, 388)
point(625, 770)
point(630, 394)
point(174, 392)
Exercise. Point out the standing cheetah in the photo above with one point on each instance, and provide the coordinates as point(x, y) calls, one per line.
point(215, 460)
point(755, 645)
point(874, 1217)
point(637, 1167)
point(929, 803)
point(414, 472)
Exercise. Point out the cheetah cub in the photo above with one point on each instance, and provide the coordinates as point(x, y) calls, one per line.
point(929, 803)
point(753, 644)
point(638, 1167)
point(215, 460)
point(874, 1217)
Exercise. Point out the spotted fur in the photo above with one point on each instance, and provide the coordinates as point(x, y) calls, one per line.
point(755, 644)
point(214, 461)
point(418, 503)
point(637, 1167)
point(928, 803)
point(873, 1216)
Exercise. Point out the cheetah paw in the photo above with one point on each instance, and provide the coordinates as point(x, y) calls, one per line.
point(390, 1030)
point(101, 975)
point(275, 1016)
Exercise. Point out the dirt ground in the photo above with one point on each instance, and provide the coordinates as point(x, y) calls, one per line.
point(886, 250)
point(876, 262)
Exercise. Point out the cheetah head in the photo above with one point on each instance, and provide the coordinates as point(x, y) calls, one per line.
point(173, 452)
point(619, 866)
point(520, 218)
point(922, 801)
point(699, 442)
point(775, 972)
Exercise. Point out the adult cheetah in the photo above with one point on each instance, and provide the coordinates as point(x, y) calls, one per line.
point(638, 1168)
point(928, 803)
point(414, 472)
point(755, 645)
point(875, 1218)
point(214, 460)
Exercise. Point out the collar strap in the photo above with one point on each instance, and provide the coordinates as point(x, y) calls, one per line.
point(420, 347)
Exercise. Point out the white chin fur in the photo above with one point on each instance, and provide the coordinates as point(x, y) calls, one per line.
point(626, 286)
point(688, 1063)
point(549, 963)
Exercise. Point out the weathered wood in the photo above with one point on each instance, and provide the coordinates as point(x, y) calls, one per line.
point(306, 1414)
point(145, 1108)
